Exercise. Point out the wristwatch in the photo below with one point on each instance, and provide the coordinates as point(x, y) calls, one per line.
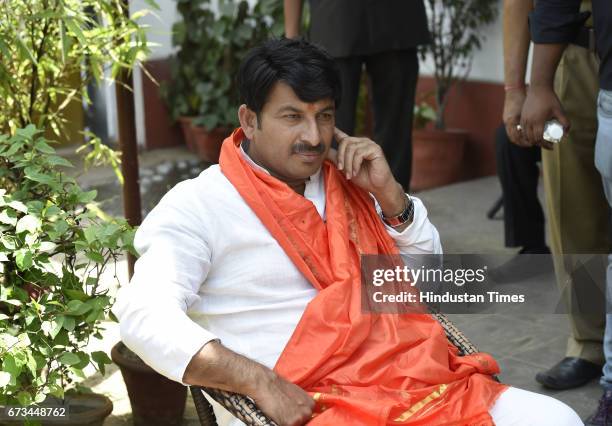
point(405, 216)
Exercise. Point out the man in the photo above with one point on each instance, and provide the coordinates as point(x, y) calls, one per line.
point(572, 187)
point(249, 275)
point(554, 24)
point(384, 36)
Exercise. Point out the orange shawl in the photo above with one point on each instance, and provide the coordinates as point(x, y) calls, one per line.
point(362, 369)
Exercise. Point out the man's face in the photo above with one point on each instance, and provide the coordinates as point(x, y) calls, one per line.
point(293, 137)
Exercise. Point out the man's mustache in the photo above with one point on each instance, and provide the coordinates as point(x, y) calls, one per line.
point(304, 148)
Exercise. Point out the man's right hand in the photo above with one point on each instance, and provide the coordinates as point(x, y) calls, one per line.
point(284, 402)
point(541, 105)
point(216, 366)
point(513, 105)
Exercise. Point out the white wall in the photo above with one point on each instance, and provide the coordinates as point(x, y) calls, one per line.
point(487, 64)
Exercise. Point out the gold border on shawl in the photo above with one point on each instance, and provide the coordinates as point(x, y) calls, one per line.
point(419, 405)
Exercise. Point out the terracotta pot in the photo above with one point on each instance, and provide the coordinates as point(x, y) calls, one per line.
point(205, 143)
point(88, 409)
point(155, 399)
point(437, 157)
point(187, 133)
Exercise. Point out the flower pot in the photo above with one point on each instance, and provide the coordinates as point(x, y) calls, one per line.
point(206, 143)
point(155, 399)
point(437, 157)
point(85, 409)
point(187, 133)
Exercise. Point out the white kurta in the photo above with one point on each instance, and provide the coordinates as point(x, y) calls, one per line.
point(209, 268)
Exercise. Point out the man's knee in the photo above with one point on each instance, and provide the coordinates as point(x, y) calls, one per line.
point(520, 407)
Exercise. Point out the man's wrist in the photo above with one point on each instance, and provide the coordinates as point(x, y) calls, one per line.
point(392, 201)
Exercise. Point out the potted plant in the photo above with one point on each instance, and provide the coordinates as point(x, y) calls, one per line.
point(43, 46)
point(201, 94)
point(54, 246)
point(437, 155)
point(456, 33)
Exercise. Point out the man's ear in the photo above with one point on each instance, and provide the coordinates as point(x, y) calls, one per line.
point(248, 120)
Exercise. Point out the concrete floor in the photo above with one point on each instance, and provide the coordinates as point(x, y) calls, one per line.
point(522, 344)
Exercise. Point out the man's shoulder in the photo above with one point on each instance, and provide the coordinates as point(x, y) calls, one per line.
point(210, 183)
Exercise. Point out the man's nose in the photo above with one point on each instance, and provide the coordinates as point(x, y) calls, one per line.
point(311, 133)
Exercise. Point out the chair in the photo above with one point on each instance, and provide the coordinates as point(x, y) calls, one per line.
point(245, 409)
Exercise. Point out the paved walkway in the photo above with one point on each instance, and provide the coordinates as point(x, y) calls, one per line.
point(523, 345)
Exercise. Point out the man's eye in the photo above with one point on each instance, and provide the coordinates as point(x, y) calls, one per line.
point(326, 116)
point(292, 116)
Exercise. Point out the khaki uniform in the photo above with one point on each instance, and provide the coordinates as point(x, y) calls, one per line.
point(577, 209)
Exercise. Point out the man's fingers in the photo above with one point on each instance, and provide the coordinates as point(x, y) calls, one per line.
point(351, 150)
point(562, 118)
point(339, 135)
point(349, 153)
point(514, 134)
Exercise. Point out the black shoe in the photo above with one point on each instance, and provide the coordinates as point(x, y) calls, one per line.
point(569, 373)
point(603, 415)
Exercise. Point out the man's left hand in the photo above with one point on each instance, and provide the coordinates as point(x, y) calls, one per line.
point(363, 162)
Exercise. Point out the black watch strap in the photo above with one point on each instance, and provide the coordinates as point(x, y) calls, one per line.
point(404, 217)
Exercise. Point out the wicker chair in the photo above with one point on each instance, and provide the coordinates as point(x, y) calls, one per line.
point(245, 409)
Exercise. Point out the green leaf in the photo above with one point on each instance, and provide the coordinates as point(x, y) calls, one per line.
point(88, 197)
point(76, 294)
point(56, 326)
point(113, 317)
point(55, 160)
point(90, 234)
point(69, 323)
point(10, 366)
point(28, 223)
point(24, 398)
point(43, 147)
point(93, 315)
point(31, 364)
point(25, 52)
point(76, 307)
point(5, 218)
point(32, 174)
point(78, 372)
point(96, 257)
point(100, 358)
point(19, 206)
point(23, 257)
point(76, 30)
point(68, 358)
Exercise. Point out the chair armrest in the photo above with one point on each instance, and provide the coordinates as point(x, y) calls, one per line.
point(239, 406)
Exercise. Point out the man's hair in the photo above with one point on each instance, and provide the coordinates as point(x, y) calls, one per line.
point(306, 68)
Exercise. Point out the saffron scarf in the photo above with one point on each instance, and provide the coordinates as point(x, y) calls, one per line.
point(361, 369)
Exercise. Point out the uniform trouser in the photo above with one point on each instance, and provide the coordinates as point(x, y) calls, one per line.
point(393, 76)
point(577, 209)
point(518, 171)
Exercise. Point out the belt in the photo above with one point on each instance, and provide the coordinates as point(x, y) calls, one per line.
point(586, 38)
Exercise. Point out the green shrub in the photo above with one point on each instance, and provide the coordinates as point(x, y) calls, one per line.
point(54, 246)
